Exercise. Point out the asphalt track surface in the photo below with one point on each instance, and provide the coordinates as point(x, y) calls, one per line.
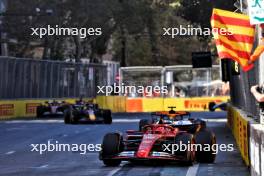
point(17, 159)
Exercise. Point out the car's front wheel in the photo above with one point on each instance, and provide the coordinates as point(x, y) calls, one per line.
point(112, 145)
point(67, 116)
point(187, 141)
point(40, 111)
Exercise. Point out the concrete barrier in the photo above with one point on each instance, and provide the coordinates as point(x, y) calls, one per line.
point(115, 103)
point(127, 104)
point(27, 108)
point(250, 139)
point(152, 104)
point(257, 149)
point(239, 123)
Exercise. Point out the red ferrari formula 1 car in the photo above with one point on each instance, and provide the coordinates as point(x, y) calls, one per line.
point(159, 141)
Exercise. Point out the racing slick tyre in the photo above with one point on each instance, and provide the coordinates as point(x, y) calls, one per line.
point(211, 106)
point(205, 138)
point(185, 139)
point(112, 145)
point(96, 106)
point(67, 116)
point(40, 111)
point(107, 116)
point(199, 125)
point(144, 122)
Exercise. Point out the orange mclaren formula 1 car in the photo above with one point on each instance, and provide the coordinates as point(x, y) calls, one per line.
point(170, 137)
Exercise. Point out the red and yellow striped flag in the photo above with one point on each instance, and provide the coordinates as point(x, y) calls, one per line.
point(258, 51)
point(237, 42)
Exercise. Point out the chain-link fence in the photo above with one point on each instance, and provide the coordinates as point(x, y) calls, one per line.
point(25, 78)
point(185, 81)
point(180, 81)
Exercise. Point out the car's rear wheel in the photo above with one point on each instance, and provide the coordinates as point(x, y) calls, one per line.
point(96, 106)
point(199, 125)
point(206, 139)
point(144, 122)
point(74, 119)
point(112, 145)
point(185, 140)
point(40, 111)
point(107, 115)
point(67, 116)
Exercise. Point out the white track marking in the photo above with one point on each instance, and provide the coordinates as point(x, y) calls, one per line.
point(40, 167)
point(113, 172)
point(125, 120)
point(14, 129)
point(34, 121)
point(215, 120)
point(10, 152)
point(192, 171)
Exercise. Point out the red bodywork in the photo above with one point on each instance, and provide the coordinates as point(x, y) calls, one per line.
point(153, 133)
point(150, 135)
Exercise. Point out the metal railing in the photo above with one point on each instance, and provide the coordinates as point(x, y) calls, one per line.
point(26, 78)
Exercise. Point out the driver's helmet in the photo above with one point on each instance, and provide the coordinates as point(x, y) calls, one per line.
point(148, 129)
point(80, 101)
point(54, 102)
point(159, 129)
point(161, 121)
point(171, 116)
point(90, 106)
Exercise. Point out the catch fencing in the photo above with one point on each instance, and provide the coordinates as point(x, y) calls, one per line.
point(27, 78)
point(240, 84)
point(181, 80)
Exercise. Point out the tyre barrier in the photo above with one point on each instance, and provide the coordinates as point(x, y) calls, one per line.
point(257, 149)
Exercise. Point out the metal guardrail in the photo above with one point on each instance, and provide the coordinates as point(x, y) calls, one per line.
point(26, 78)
